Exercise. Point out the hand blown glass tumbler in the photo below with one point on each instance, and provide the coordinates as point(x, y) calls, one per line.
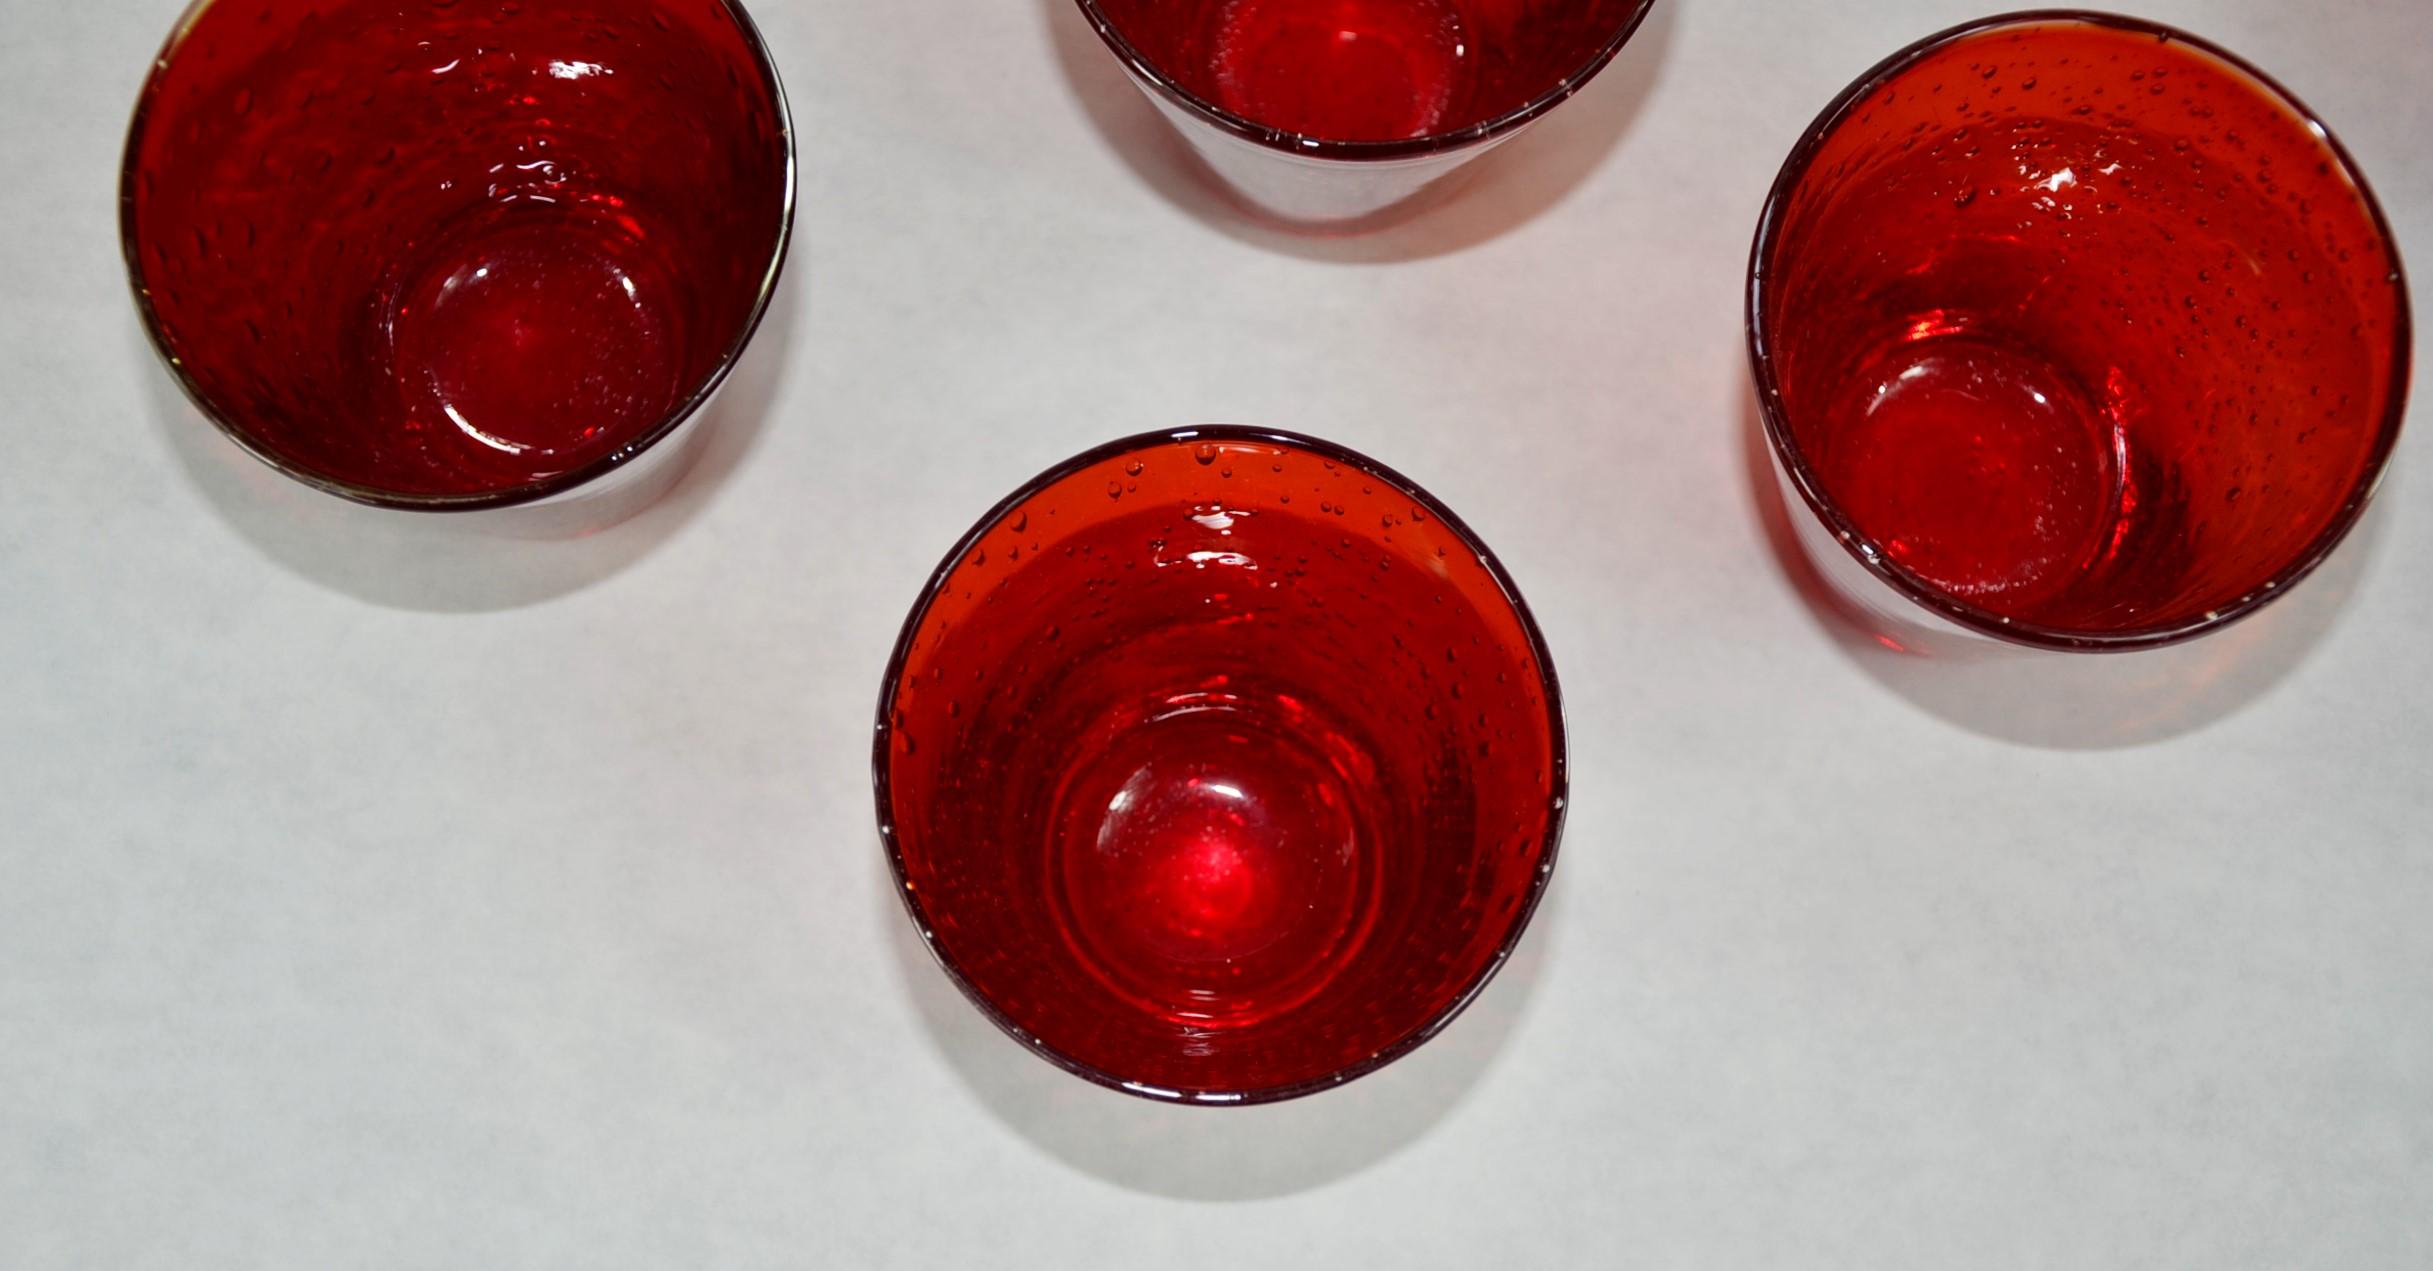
point(2076, 332)
point(456, 254)
point(1331, 110)
point(1220, 766)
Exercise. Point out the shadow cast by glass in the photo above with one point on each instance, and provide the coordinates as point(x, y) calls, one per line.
point(2056, 700)
point(1491, 196)
point(493, 560)
point(1227, 1155)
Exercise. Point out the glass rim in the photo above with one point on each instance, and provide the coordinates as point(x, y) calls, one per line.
point(1906, 581)
point(666, 426)
point(1557, 796)
point(1287, 141)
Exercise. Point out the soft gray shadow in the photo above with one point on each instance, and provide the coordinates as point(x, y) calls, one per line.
point(482, 561)
point(2070, 701)
point(1217, 1154)
point(1492, 195)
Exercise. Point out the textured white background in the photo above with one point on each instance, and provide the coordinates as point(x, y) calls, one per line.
point(370, 898)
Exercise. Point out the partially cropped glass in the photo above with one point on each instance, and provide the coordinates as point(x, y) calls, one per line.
point(2073, 331)
point(1321, 111)
point(454, 256)
point(1220, 766)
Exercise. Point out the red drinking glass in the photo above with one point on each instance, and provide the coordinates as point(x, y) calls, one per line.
point(456, 254)
point(1331, 110)
point(2076, 331)
point(1220, 765)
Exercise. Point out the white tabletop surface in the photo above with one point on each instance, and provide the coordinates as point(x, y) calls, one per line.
point(367, 901)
